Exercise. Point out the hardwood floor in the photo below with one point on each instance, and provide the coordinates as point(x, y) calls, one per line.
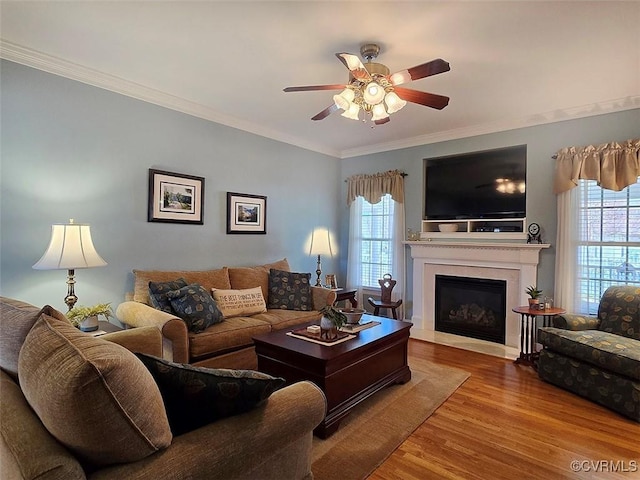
point(506, 423)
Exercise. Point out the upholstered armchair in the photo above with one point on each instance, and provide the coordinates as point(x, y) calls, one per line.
point(598, 357)
point(75, 407)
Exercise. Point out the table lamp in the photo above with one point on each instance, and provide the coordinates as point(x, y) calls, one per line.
point(320, 245)
point(70, 248)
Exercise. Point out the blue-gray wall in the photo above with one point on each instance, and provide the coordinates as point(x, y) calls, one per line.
point(542, 142)
point(70, 150)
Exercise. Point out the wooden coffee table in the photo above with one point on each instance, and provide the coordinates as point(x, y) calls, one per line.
point(347, 372)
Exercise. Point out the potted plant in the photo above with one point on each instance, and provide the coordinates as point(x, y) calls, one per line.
point(534, 294)
point(332, 320)
point(86, 318)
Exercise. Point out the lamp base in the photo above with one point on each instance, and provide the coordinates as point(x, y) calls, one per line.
point(318, 273)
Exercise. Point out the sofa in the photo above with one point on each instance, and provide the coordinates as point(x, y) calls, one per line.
point(229, 343)
point(75, 406)
point(597, 357)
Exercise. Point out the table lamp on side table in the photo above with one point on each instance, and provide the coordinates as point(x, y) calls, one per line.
point(320, 245)
point(70, 248)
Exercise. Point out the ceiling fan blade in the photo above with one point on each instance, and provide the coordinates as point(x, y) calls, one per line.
point(423, 98)
point(355, 66)
point(382, 121)
point(428, 69)
point(310, 88)
point(326, 112)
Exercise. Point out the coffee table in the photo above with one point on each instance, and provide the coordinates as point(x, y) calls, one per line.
point(347, 372)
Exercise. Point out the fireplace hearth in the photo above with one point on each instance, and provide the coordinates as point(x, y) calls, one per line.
point(472, 307)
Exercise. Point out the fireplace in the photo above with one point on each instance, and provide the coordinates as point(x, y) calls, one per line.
point(471, 307)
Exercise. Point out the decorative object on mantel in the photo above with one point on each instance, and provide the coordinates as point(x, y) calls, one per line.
point(534, 235)
point(70, 248)
point(332, 320)
point(412, 236)
point(86, 318)
point(534, 295)
point(246, 214)
point(614, 165)
point(175, 198)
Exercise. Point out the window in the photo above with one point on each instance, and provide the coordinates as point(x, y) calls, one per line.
point(608, 247)
point(376, 252)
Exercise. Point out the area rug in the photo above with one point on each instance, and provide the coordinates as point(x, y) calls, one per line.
point(377, 426)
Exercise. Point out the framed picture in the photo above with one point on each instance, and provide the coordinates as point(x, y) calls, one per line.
point(175, 198)
point(246, 213)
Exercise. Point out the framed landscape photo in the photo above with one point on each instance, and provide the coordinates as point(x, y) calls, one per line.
point(175, 198)
point(246, 213)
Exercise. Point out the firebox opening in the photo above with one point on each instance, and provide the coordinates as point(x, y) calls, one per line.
point(471, 307)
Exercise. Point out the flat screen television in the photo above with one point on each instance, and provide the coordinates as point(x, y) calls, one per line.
point(488, 184)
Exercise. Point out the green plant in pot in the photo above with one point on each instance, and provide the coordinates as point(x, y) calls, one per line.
point(534, 295)
point(332, 320)
point(86, 318)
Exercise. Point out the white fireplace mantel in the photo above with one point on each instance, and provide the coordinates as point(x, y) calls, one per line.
point(515, 263)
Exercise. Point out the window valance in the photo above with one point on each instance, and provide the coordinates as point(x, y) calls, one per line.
point(613, 165)
point(373, 187)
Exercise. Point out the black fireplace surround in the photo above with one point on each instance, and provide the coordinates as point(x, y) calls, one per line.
point(471, 307)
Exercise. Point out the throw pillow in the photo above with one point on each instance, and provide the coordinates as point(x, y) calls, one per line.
point(92, 395)
point(209, 279)
point(196, 396)
point(158, 293)
point(194, 305)
point(289, 290)
point(248, 277)
point(235, 303)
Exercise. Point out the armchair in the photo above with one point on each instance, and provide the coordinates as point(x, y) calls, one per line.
point(598, 357)
point(127, 435)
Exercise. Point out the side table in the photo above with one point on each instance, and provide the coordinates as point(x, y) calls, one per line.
point(529, 331)
point(104, 327)
point(347, 294)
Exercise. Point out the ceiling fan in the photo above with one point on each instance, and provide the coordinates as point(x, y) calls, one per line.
point(374, 91)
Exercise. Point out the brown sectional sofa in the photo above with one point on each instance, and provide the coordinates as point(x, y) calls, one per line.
point(77, 407)
point(228, 344)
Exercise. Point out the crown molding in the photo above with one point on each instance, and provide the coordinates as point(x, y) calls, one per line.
point(58, 66)
point(611, 106)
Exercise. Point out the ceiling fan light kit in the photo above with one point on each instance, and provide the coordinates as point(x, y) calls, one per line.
point(374, 91)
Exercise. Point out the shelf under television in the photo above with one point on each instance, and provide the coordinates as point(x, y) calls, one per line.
point(480, 228)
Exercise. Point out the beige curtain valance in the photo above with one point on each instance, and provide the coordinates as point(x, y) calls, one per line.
point(373, 187)
point(613, 165)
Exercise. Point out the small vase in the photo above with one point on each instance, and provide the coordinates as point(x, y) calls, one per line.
point(328, 330)
point(89, 324)
point(533, 302)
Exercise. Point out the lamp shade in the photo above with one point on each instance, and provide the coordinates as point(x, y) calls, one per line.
point(344, 99)
point(70, 248)
point(378, 112)
point(353, 113)
point(320, 243)
point(394, 102)
point(373, 93)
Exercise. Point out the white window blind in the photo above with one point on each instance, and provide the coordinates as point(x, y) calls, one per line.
point(608, 241)
point(376, 254)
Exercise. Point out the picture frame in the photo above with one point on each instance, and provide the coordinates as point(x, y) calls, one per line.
point(175, 198)
point(246, 214)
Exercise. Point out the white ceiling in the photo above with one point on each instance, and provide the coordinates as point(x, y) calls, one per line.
point(513, 63)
